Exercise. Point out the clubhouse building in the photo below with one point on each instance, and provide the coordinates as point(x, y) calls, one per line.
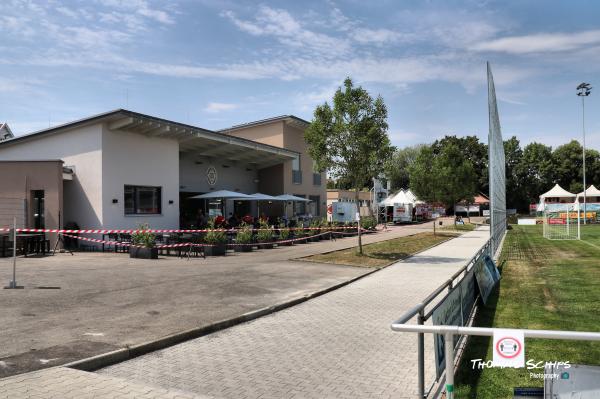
point(122, 168)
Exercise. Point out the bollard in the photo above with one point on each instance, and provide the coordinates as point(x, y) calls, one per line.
point(449, 346)
point(13, 283)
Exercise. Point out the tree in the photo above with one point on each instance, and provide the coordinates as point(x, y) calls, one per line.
point(536, 171)
point(568, 160)
point(444, 176)
point(350, 140)
point(396, 168)
point(515, 196)
point(473, 150)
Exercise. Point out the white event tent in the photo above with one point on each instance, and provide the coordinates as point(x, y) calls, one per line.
point(557, 192)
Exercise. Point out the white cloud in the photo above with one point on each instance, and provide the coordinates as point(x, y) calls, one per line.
point(541, 43)
point(214, 108)
point(282, 26)
point(379, 36)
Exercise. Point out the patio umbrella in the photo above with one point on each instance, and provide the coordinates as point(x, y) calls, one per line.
point(225, 194)
point(264, 197)
point(293, 199)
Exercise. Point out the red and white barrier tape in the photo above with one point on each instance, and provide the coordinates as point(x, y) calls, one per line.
point(129, 231)
point(188, 244)
point(127, 244)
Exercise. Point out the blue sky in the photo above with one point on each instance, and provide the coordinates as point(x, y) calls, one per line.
point(218, 63)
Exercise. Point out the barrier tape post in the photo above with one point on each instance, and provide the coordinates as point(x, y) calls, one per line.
point(13, 283)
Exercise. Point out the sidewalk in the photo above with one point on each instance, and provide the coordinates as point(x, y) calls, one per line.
point(337, 345)
point(108, 301)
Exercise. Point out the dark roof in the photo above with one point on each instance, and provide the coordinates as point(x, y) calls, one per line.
point(265, 121)
point(94, 118)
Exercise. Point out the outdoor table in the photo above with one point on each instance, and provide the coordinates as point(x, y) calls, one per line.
point(4, 244)
point(29, 240)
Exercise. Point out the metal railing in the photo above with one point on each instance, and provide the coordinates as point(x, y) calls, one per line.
point(450, 331)
point(419, 311)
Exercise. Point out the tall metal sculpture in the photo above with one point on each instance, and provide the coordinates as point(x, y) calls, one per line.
point(497, 166)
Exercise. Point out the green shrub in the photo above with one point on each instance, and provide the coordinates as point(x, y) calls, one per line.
point(143, 237)
point(368, 222)
point(244, 234)
point(215, 236)
point(316, 225)
point(265, 232)
point(284, 232)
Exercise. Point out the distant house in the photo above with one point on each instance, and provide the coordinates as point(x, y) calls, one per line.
point(5, 132)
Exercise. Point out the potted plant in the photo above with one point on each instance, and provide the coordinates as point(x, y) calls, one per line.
point(368, 223)
point(300, 234)
point(264, 236)
point(143, 243)
point(217, 240)
point(284, 234)
point(326, 228)
point(244, 236)
point(315, 230)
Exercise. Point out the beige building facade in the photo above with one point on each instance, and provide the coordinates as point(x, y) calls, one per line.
point(31, 192)
point(297, 176)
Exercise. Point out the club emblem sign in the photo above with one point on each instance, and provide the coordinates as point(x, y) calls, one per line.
point(211, 175)
point(509, 348)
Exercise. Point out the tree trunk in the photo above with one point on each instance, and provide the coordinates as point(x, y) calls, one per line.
point(360, 249)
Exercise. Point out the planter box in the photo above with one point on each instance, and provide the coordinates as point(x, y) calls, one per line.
point(301, 240)
point(265, 245)
point(242, 248)
point(143, 253)
point(217, 250)
point(285, 244)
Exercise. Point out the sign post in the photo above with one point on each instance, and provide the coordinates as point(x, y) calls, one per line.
point(13, 283)
point(509, 348)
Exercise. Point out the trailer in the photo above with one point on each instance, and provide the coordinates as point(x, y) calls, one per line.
point(402, 213)
point(341, 212)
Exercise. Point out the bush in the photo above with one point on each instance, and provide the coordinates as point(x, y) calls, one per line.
point(265, 232)
point(368, 222)
point(284, 232)
point(244, 234)
point(215, 236)
point(143, 237)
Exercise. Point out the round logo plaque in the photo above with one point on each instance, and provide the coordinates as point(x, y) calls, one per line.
point(211, 175)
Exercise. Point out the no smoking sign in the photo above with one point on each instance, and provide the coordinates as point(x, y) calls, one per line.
point(509, 348)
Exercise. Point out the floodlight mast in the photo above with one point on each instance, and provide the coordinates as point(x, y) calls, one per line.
point(583, 90)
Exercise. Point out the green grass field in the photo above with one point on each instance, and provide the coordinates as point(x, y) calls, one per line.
point(458, 227)
point(553, 285)
point(382, 253)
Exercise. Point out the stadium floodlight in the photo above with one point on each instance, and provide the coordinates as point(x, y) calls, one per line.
point(584, 90)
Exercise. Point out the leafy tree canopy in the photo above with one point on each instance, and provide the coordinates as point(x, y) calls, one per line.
point(350, 139)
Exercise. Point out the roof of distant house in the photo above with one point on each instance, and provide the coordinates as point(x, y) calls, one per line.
point(290, 118)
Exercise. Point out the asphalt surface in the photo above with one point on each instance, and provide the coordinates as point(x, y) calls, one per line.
point(78, 306)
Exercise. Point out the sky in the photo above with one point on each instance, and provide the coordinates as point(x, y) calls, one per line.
point(217, 63)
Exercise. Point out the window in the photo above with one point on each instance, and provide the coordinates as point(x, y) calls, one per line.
point(315, 204)
point(143, 200)
point(300, 206)
point(316, 179)
point(296, 171)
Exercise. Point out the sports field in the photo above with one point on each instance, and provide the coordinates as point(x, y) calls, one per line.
point(545, 284)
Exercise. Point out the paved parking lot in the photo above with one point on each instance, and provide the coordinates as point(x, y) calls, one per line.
point(338, 345)
point(108, 301)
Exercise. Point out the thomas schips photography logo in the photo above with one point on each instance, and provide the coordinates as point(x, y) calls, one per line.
point(531, 364)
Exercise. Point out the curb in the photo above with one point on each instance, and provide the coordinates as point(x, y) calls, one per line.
point(120, 355)
point(106, 359)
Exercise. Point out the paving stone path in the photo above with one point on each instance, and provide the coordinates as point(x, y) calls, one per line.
point(338, 345)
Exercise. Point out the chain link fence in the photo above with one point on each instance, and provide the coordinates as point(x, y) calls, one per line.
point(496, 169)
